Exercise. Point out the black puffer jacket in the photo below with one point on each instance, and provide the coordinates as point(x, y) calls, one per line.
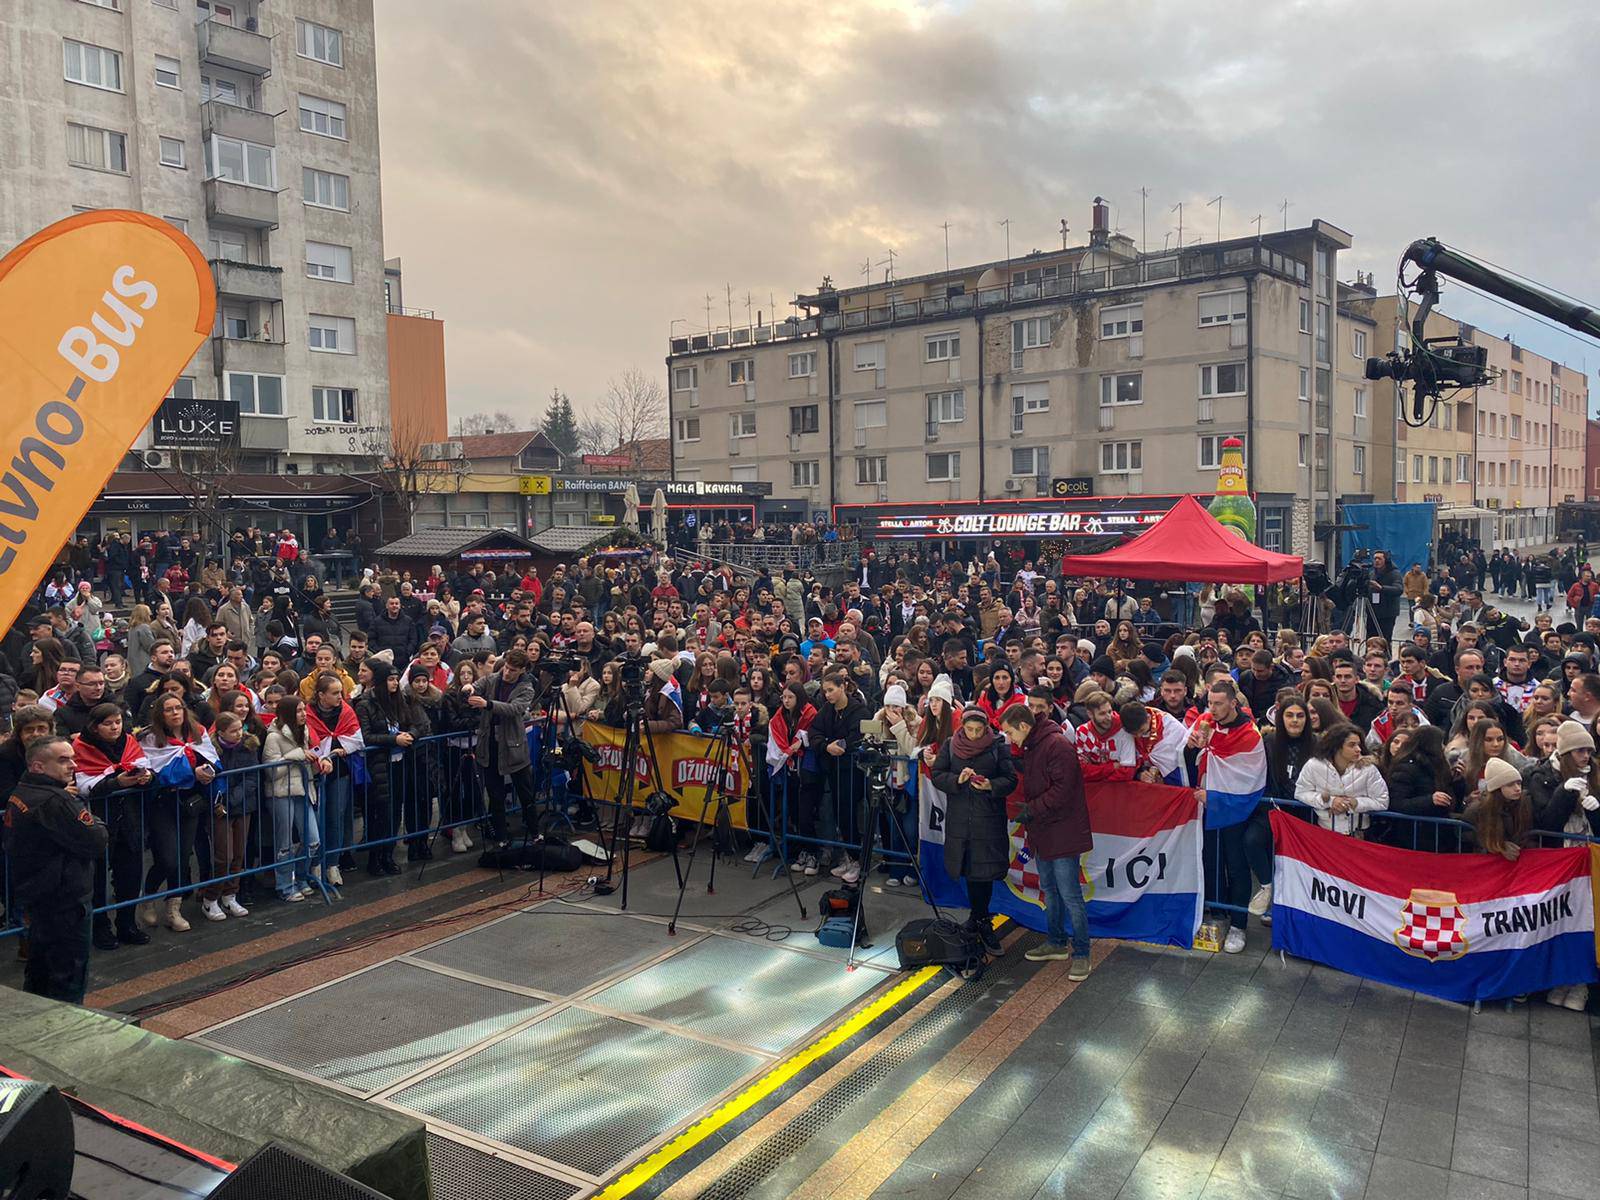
point(1552, 803)
point(977, 842)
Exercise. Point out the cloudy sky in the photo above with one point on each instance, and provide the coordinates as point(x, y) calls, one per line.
point(566, 180)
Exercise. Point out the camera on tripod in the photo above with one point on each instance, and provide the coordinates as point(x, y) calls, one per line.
point(875, 754)
point(631, 669)
point(560, 664)
point(570, 753)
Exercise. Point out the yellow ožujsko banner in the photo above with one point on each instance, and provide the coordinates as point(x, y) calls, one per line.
point(99, 314)
point(685, 763)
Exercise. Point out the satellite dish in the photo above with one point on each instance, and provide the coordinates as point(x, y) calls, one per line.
point(991, 278)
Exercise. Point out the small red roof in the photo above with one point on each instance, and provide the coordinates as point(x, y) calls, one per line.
point(1189, 545)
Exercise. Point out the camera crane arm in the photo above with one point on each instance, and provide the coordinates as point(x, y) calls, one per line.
point(1438, 363)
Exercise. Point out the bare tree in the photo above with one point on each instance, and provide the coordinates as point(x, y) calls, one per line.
point(499, 421)
point(594, 435)
point(633, 409)
point(402, 469)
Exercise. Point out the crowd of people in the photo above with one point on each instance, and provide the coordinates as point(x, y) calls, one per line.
point(233, 729)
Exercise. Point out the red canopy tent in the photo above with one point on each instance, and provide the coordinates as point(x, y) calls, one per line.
point(1190, 545)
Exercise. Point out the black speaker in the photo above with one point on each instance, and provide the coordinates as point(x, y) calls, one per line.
point(552, 856)
point(36, 1141)
point(273, 1173)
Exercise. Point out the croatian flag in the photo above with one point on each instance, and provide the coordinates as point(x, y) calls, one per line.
point(175, 762)
point(346, 731)
point(93, 767)
point(1141, 881)
point(1233, 770)
point(1163, 743)
point(1462, 927)
point(673, 692)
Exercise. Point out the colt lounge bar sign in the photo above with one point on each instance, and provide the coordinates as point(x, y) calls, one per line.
point(1035, 522)
point(195, 424)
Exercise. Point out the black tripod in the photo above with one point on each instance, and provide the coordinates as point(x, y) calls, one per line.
point(878, 789)
point(722, 753)
point(637, 736)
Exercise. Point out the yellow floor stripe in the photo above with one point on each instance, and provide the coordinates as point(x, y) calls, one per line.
point(760, 1089)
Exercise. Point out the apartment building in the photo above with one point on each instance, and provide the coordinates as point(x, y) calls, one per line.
point(252, 126)
point(1092, 371)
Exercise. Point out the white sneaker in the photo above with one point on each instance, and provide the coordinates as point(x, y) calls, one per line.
point(212, 912)
point(458, 841)
point(846, 865)
point(335, 879)
point(852, 873)
point(231, 906)
point(808, 864)
point(1556, 996)
point(754, 854)
point(1577, 997)
point(762, 853)
point(1234, 942)
point(893, 881)
point(1261, 902)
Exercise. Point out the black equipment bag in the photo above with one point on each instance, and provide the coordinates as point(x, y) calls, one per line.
point(662, 835)
point(935, 941)
point(551, 856)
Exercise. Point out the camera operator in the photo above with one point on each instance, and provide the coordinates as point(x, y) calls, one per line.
point(1385, 588)
point(837, 730)
point(503, 700)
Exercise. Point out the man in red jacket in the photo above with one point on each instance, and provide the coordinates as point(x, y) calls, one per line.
point(1056, 814)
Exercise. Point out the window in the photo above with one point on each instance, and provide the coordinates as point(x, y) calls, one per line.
point(1119, 458)
point(257, 395)
point(1449, 416)
point(872, 470)
point(1031, 397)
point(1358, 460)
point(688, 429)
point(1121, 389)
point(324, 189)
point(1516, 471)
point(1211, 449)
point(333, 405)
point(1361, 403)
point(171, 152)
point(100, 149)
point(168, 72)
point(1322, 333)
point(1122, 321)
point(1305, 449)
point(1221, 308)
point(241, 162)
point(742, 424)
point(182, 388)
point(1516, 383)
point(806, 474)
point(229, 246)
point(322, 117)
point(235, 321)
point(1030, 460)
point(685, 379)
point(1032, 333)
point(944, 468)
point(93, 66)
point(1305, 316)
point(872, 414)
point(326, 261)
point(803, 365)
point(739, 474)
point(222, 89)
point(1516, 427)
point(1359, 344)
point(803, 419)
point(941, 347)
point(1416, 468)
point(113, 5)
point(869, 356)
point(332, 335)
point(1305, 383)
point(178, 223)
point(947, 408)
point(741, 370)
point(1222, 379)
point(1462, 469)
point(319, 42)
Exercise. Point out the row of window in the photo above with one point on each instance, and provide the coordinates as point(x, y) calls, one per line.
point(262, 396)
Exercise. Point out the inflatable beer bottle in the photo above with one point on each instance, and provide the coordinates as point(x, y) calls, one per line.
point(1232, 506)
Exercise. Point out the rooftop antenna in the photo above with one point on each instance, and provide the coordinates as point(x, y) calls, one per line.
point(708, 312)
point(1144, 194)
point(1007, 224)
point(1178, 208)
point(1166, 242)
point(1064, 228)
point(946, 228)
point(1258, 226)
point(1218, 203)
point(747, 307)
point(888, 264)
point(1284, 209)
point(728, 290)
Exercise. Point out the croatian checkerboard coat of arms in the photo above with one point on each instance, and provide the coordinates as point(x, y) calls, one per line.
point(1434, 926)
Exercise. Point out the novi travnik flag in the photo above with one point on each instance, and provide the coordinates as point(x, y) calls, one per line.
point(1233, 770)
point(1457, 926)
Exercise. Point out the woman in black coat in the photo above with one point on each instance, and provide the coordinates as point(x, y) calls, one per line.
point(1420, 785)
point(974, 771)
point(390, 722)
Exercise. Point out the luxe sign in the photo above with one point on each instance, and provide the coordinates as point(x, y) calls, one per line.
point(196, 424)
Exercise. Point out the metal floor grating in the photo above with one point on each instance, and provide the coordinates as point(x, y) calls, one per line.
point(462, 1172)
point(373, 1029)
point(739, 991)
point(579, 1088)
point(559, 949)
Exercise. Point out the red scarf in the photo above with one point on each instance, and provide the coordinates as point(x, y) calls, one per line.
point(784, 737)
point(346, 726)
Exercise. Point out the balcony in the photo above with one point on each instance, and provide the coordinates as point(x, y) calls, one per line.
point(230, 120)
point(240, 204)
point(223, 45)
point(246, 281)
point(255, 356)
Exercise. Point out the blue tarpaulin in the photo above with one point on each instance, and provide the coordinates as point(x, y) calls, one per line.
point(1404, 530)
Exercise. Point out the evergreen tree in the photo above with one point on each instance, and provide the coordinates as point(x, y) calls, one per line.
point(560, 424)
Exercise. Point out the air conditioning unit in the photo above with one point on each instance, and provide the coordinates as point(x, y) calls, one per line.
point(443, 451)
point(1013, 485)
point(156, 459)
point(794, 443)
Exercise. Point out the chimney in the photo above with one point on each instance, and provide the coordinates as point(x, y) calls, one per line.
point(1100, 226)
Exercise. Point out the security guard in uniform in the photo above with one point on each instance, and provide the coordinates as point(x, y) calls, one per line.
point(55, 842)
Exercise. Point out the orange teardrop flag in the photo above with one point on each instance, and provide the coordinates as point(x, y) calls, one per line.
point(98, 315)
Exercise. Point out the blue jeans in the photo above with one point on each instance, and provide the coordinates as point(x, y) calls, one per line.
point(1546, 594)
point(1063, 903)
point(287, 812)
point(338, 818)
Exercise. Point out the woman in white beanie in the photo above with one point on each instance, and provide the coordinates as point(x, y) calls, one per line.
point(1563, 792)
point(903, 724)
point(1501, 815)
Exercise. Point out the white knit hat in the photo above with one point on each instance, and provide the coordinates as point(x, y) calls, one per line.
point(895, 697)
point(662, 669)
point(1497, 773)
point(1571, 735)
point(944, 689)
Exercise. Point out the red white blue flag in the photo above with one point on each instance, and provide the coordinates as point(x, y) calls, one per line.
point(1457, 926)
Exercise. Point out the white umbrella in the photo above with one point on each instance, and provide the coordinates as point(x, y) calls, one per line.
point(658, 517)
point(630, 507)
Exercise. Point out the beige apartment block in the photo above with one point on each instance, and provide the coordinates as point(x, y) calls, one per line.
point(1123, 372)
